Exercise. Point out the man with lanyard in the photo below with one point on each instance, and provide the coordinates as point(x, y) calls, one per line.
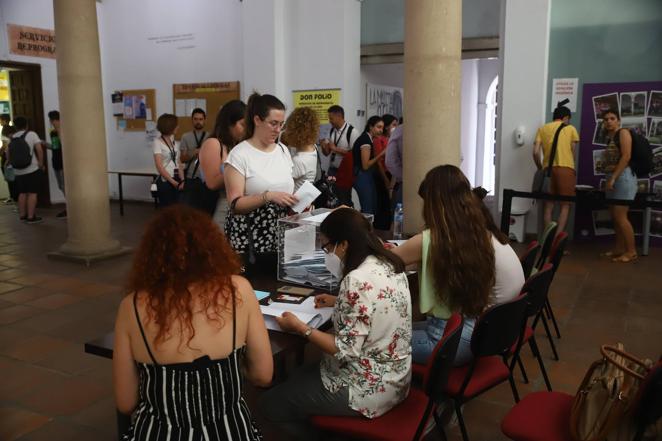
point(342, 138)
point(192, 141)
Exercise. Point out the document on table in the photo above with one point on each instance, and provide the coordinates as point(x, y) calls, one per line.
point(306, 194)
point(306, 312)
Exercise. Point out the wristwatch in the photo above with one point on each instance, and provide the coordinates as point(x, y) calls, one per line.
point(309, 331)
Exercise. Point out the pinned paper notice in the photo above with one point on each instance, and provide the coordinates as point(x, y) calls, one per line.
point(306, 194)
point(201, 103)
point(180, 107)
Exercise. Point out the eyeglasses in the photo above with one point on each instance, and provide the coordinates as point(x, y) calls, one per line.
point(324, 247)
point(276, 124)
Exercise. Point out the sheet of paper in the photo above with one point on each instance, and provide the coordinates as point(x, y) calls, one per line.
point(306, 312)
point(180, 107)
point(307, 193)
point(201, 103)
point(318, 218)
point(190, 105)
point(299, 240)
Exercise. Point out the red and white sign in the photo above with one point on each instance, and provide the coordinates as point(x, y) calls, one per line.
point(565, 88)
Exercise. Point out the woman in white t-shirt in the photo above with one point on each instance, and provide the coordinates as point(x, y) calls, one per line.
point(301, 132)
point(167, 161)
point(467, 264)
point(229, 129)
point(258, 180)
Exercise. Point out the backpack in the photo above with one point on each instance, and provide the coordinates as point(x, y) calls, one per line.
point(328, 197)
point(641, 161)
point(20, 153)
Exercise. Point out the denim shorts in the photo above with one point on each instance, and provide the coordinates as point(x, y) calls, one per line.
point(625, 186)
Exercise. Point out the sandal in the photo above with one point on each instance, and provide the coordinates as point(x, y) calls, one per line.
point(611, 254)
point(625, 259)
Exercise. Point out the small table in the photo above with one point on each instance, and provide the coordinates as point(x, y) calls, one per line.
point(148, 173)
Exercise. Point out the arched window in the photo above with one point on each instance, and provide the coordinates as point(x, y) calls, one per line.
point(489, 157)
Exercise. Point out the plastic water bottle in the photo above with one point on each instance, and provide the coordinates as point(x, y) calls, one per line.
point(398, 220)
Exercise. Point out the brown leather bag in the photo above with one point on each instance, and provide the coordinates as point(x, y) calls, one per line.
point(605, 398)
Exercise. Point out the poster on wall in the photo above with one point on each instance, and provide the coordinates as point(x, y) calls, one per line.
point(317, 99)
point(562, 89)
point(640, 107)
point(383, 99)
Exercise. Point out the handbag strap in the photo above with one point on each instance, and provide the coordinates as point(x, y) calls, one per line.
point(610, 352)
point(555, 145)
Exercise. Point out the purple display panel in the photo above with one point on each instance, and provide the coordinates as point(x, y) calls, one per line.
point(640, 107)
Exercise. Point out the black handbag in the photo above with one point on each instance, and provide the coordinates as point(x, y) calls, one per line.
point(542, 179)
point(197, 195)
point(326, 186)
point(254, 236)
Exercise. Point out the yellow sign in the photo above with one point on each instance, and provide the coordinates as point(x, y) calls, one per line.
point(4, 85)
point(319, 100)
point(33, 42)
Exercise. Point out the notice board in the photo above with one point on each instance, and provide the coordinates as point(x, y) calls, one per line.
point(210, 97)
point(139, 106)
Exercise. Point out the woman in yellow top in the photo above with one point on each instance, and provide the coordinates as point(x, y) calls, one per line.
point(466, 262)
point(563, 173)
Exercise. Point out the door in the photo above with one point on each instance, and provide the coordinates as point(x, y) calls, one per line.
point(27, 101)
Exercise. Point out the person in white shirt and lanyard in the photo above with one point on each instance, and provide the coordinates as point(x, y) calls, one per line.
point(342, 138)
point(191, 142)
point(167, 161)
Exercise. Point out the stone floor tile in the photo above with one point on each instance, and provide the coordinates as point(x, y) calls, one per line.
point(15, 422)
point(25, 294)
point(54, 301)
point(16, 313)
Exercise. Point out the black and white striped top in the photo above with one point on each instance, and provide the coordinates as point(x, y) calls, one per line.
point(201, 400)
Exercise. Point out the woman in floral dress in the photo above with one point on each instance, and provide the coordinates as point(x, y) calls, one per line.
point(366, 369)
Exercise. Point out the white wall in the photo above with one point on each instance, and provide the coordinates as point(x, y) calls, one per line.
point(469, 119)
point(523, 76)
point(130, 60)
point(23, 13)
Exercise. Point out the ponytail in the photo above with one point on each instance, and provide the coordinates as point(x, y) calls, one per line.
point(260, 105)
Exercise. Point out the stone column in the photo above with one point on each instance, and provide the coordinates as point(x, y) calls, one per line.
point(83, 133)
point(433, 49)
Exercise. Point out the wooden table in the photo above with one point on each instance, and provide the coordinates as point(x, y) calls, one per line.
point(149, 173)
point(282, 344)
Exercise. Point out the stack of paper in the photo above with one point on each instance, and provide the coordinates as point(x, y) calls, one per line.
point(308, 268)
point(305, 311)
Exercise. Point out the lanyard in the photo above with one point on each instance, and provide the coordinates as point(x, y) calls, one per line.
point(173, 153)
point(339, 137)
point(199, 141)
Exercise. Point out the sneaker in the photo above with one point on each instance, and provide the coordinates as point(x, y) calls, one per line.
point(61, 215)
point(34, 220)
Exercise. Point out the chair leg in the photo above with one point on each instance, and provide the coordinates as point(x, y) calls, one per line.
point(548, 306)
point(549, 337)
point(460, 420)
point(536, 352)
point(440, 425)
point(511, 380)
point(521, 368)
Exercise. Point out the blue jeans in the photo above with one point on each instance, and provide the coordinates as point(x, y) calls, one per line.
point(625, 186)
point(364, 184)
point(427, 334)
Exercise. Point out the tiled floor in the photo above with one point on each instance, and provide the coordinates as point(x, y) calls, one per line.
point(52, 390)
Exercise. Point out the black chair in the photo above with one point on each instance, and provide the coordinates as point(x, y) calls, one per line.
point(407, 420)
point(546, 241)
point(528, 259)
point(494, 334)
point(536, 288)
point(555, 257)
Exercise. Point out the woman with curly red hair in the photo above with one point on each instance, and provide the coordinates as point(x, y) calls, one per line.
point(301, 131)
point(182, 331)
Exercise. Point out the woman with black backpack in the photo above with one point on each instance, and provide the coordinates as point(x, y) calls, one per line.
point(621, 184)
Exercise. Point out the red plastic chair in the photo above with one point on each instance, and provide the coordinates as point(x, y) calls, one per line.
point(555, 256)
point(407, 420)
point(495, 332)
point(528, 259)
point(545, 416)
point(537, 288)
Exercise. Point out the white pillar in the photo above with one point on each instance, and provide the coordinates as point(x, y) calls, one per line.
point(433, 49)
point(83, 132)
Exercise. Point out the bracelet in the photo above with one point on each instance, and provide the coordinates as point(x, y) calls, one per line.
point(307, 332)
